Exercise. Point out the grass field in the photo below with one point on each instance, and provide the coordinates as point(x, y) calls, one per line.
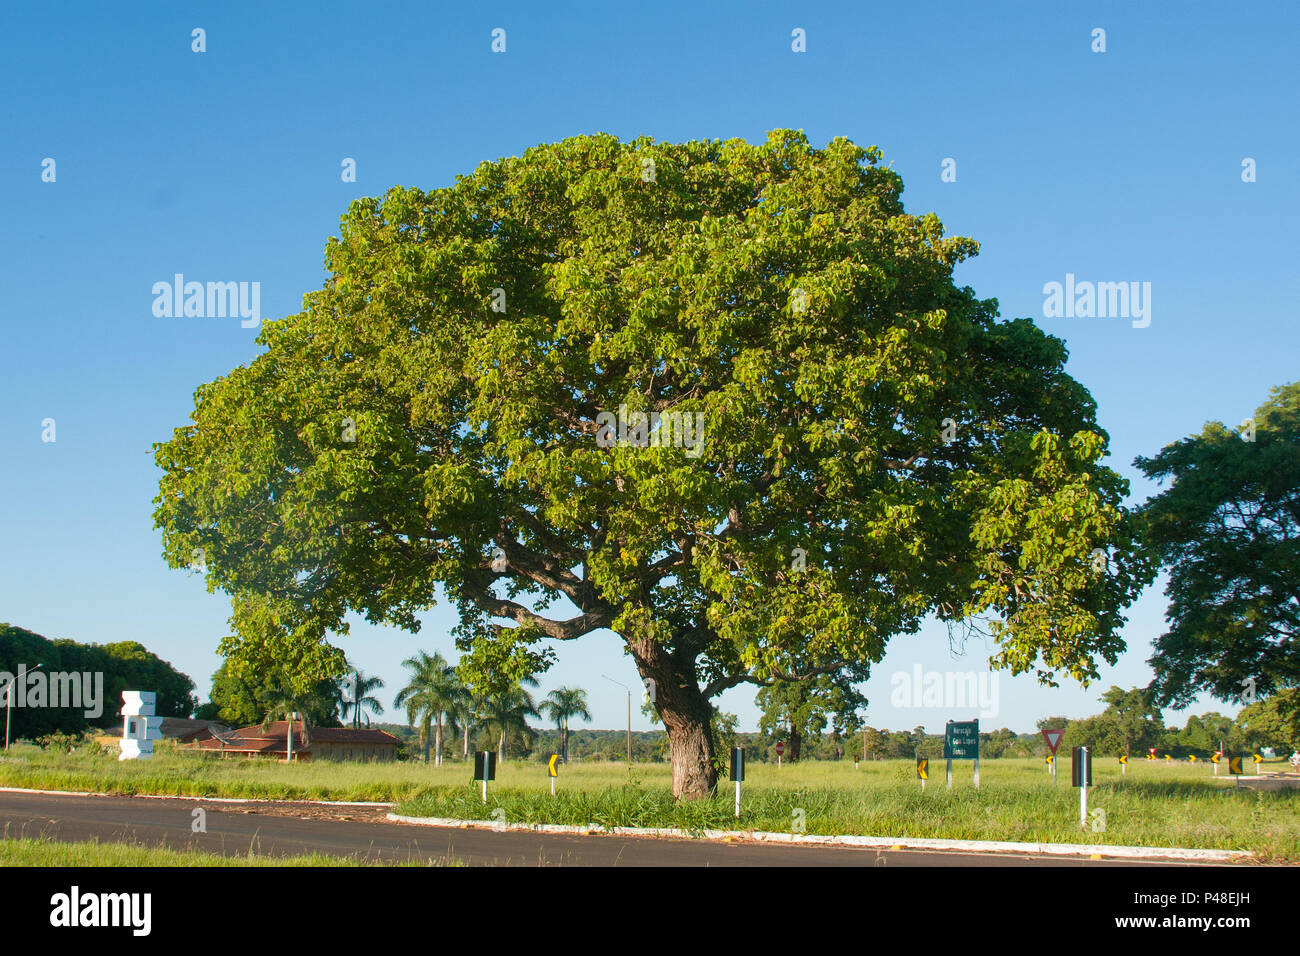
point(1155, 804)
point(91, 853)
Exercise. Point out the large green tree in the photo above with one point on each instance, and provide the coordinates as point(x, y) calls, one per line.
point(1273, 721)
point(802, 709)
point(1228, 529)
point(847, 441)
point(1129, 725)
point(243, 701)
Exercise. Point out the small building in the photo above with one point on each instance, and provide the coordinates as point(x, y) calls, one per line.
point(344, 743)
point(309, 743)
point(184, 730)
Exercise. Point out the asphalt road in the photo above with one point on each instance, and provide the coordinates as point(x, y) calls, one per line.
point(290, 829)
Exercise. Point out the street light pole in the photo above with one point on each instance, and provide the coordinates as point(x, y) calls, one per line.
point(629, 715)
point(9, 703)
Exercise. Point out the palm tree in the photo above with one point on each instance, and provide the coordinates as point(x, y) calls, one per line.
point(433, 691)
point(561, 704)
point(507, 713)
point(361, 686)
point(460, 718)
point(289, 706)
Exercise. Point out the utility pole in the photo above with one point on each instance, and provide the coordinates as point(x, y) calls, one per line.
point(9, 702)
point(629, 716)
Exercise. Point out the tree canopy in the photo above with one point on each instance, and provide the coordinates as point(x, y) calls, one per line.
point(800, 709)
point(244, 701)
point(869, 445)
point(1228, 528)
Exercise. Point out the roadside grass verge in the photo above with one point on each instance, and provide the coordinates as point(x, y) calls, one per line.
point(46, 852)
point(1154, 804)
point(1150, 814)
point(175, 772)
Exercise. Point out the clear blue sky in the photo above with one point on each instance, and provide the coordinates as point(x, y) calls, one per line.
point(225, 165)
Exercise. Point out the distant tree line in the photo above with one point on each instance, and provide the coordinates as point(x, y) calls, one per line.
point(125, 665)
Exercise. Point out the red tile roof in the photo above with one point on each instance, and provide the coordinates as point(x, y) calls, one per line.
point(271, 739)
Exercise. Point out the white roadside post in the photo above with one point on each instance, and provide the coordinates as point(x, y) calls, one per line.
point(737, 773)
point(1081, 777)
point(485, 768)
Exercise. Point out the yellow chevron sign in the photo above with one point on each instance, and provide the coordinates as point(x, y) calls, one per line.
point(923, 768)
point(551, 765)
point(1051, 758)
point(1192, 758)
point(1123, 758)
point(1218, 755)
point(1234, 765)
point(1257, 758)
point(1167, 757)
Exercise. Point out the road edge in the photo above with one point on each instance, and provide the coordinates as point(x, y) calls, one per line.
point(1092, 850)
point(190, 796)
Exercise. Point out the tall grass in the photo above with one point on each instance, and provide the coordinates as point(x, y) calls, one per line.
point(1147, 812)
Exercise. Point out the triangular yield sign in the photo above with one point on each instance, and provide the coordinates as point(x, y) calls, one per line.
point(1053, 738)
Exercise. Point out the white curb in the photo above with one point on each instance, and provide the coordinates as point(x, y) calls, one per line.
point(187, 796)
point(896, 843)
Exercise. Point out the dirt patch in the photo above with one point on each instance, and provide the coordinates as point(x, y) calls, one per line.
point(307, 811)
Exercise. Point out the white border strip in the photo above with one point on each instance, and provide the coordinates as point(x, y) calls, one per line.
point(894, 843)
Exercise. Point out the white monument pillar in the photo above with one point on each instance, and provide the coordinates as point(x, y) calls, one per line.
point(140, 728)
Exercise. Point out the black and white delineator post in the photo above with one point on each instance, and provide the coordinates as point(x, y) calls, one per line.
point(737, 773)
point(485, 768)
point(1081, 777)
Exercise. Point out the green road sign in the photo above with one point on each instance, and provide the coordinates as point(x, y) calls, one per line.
point(962, 740)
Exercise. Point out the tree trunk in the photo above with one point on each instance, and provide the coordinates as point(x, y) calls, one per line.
point(501, 748)
point(796, 743)
point(465, 754)
point(686, 714)
point(564, 743)
point(437, 742)
point(424, 738)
